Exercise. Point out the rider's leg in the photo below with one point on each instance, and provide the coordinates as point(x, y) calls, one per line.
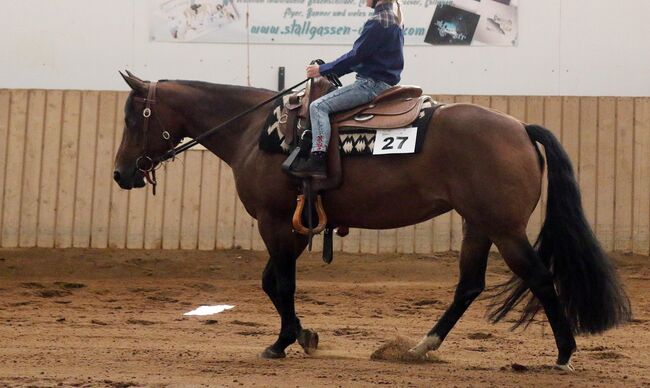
point(362, 91)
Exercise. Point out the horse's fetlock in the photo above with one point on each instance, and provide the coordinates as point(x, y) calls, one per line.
point(288, 338)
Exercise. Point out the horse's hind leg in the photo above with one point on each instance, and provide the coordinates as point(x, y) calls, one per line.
point(524, 262)
point(473, 261)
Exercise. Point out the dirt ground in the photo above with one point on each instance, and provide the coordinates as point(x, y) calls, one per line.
point(115, 318)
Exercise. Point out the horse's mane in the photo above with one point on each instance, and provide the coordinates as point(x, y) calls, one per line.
point(214, 88)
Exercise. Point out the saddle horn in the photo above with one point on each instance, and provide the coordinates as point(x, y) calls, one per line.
point(333, 78)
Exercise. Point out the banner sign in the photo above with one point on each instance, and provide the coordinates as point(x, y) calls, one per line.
point(315, 22)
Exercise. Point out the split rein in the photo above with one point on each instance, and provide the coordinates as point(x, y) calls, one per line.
point(147, 165)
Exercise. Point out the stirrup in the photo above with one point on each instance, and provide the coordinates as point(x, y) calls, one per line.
point(299, 154)
point(297, 217)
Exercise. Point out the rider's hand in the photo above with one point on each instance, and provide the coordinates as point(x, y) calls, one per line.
point(313, 71)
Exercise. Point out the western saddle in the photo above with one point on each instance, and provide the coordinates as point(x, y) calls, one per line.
point(396, 107)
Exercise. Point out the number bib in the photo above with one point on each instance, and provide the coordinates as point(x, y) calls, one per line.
point(395, 141)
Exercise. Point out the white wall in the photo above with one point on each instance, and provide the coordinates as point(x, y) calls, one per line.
point(566, 47)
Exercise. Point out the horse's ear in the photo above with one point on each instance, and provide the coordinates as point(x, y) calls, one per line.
point(135, 83)
point(133, 76)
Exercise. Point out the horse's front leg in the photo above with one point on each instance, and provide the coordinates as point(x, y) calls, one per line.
point(279, 283)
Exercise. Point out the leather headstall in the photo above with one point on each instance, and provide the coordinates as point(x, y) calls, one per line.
point(146, 163)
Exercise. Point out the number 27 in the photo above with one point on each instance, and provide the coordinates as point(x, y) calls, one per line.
point(390, 140)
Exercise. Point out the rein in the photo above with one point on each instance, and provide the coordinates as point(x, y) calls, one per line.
point(147, 165)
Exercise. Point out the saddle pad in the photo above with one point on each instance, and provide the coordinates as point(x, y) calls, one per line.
point(271, 139)
point(361, 141)
point(354, 141)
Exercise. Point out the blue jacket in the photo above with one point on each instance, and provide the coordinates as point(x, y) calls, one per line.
point(377, 53)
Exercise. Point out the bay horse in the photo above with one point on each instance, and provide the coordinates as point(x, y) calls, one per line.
point(482, 163)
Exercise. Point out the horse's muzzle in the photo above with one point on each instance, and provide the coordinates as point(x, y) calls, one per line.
point(129, 181)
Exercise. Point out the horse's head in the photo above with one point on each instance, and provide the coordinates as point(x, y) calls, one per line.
point(151, 128)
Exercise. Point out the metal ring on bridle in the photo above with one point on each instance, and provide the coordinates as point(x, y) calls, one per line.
point(146, 112)
point(142, 169)
point(166, 135)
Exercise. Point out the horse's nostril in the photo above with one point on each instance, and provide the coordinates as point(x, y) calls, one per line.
point(116, 176)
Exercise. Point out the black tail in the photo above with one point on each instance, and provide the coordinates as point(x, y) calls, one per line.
point(585, 278)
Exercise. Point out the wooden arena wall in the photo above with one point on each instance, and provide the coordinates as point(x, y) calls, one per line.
point(56, 187)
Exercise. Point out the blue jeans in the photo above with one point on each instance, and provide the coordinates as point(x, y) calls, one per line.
point(362, 91)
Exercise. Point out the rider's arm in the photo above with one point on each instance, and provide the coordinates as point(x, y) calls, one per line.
point(364, 46)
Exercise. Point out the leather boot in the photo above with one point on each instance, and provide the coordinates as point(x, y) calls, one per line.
point(315, 166)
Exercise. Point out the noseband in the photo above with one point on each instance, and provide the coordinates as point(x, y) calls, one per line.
point(145, 163)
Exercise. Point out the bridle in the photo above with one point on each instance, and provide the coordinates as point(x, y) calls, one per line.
point(145, 163)
point(148, 165)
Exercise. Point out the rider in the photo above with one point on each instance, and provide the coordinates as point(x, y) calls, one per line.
point(377, 58)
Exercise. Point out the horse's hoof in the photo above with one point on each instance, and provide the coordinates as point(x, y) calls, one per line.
point(269, 353)
point(565, 367)
point(414, 355)
point(429, 342)
point(308, 339)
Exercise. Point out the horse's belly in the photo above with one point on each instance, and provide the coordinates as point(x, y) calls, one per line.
point(384, 216)
point(388, 193)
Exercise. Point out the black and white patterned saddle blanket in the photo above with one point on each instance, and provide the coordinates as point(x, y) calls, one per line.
point(353, 141)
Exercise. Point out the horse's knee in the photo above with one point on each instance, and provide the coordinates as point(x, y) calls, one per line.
point(278, 287)
point(268, 282)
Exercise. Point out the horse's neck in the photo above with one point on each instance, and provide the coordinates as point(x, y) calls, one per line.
point(216, 106)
